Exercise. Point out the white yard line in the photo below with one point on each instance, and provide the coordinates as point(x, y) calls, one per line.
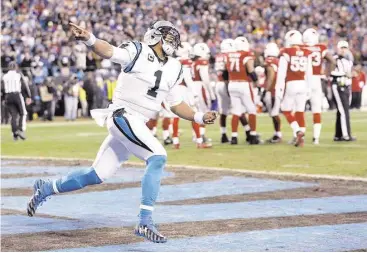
point(56, 124)
point(177, 166)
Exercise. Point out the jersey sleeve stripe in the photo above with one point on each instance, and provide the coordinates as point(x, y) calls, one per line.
point(179, 74)
point(286, 56)
point(246, 59)
point(130, 66)
point(275, 67)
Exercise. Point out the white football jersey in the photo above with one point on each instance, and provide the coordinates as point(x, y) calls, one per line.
point(145, 81)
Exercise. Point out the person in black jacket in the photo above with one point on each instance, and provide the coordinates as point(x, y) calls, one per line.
point(15, 89)
point(341, 83)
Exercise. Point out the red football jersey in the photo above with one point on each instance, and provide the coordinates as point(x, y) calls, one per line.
point(358, 81)
point(220, 65)
point(236, 65)
point(297, 58)
point(273, 63)
point(318, 54)
point(186, 63)
point(195, 68)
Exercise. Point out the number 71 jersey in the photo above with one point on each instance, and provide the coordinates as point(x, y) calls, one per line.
point(236, 65)
point(298, 59)
point(146, 81)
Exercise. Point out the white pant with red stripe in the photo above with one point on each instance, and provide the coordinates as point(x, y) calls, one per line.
point(224, 101)
point(242, 98)
point(295, 96)
point(203, 101)
point(316, 94)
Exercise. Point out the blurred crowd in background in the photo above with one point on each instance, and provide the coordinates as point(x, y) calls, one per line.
point(64, 76)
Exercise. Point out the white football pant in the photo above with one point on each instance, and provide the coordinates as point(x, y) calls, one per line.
point(242, 98)
point(295, 96)
point(316, 94)
point(128, 135)
point(224, 101)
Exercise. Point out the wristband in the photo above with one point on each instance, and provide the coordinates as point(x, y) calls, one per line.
point(199, 118)
point(90, 42)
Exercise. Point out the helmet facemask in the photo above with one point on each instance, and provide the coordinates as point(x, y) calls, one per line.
point(170, 39)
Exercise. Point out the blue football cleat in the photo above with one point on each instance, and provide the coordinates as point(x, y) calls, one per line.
point(150, 232)
point(38, 198)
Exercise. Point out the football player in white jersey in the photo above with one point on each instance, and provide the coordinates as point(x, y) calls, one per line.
point(149, 75)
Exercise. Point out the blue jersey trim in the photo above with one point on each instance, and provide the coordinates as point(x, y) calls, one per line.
point(138, 47)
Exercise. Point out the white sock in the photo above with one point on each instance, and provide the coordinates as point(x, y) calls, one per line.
point(170, 128)
point(295, 127)
point(223, 130)
point(279, 134)
point(154, 130)
point(247, 127)
point(165, 134)
point(303, 129)
point(202, 131)
point(234, 134)
point(175, 140)
point(252, 132)
point(317, 130)
point(199, 140)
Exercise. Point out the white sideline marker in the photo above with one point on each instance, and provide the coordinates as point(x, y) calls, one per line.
point(178, 166)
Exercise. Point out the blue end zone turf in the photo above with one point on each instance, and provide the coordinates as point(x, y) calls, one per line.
point(17, 224)
point(120, 207)
point(343, 237)
point(109, 209)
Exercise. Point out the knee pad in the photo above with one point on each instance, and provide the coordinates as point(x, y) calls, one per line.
point(90, 177)
point(156, 162)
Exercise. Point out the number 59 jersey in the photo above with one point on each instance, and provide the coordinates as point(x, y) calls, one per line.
point(145, 81)
point(297, 59)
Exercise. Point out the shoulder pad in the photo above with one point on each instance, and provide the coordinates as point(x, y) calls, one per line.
point(134, 48)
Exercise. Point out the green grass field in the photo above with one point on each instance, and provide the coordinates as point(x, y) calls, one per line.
point(81, 139)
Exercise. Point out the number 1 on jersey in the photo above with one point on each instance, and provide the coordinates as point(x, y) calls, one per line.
point(152, 92)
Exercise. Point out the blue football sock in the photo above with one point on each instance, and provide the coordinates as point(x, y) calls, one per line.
point(47, 189)
point(76, 180)
point(150, 186)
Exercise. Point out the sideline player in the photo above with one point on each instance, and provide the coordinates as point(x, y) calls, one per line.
point(271, 54)
point(187, 90)
point(319, 54)
point(241, 72)
point(221, 87)
point(294, 73)
point(149, 75)
point(202, 87)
